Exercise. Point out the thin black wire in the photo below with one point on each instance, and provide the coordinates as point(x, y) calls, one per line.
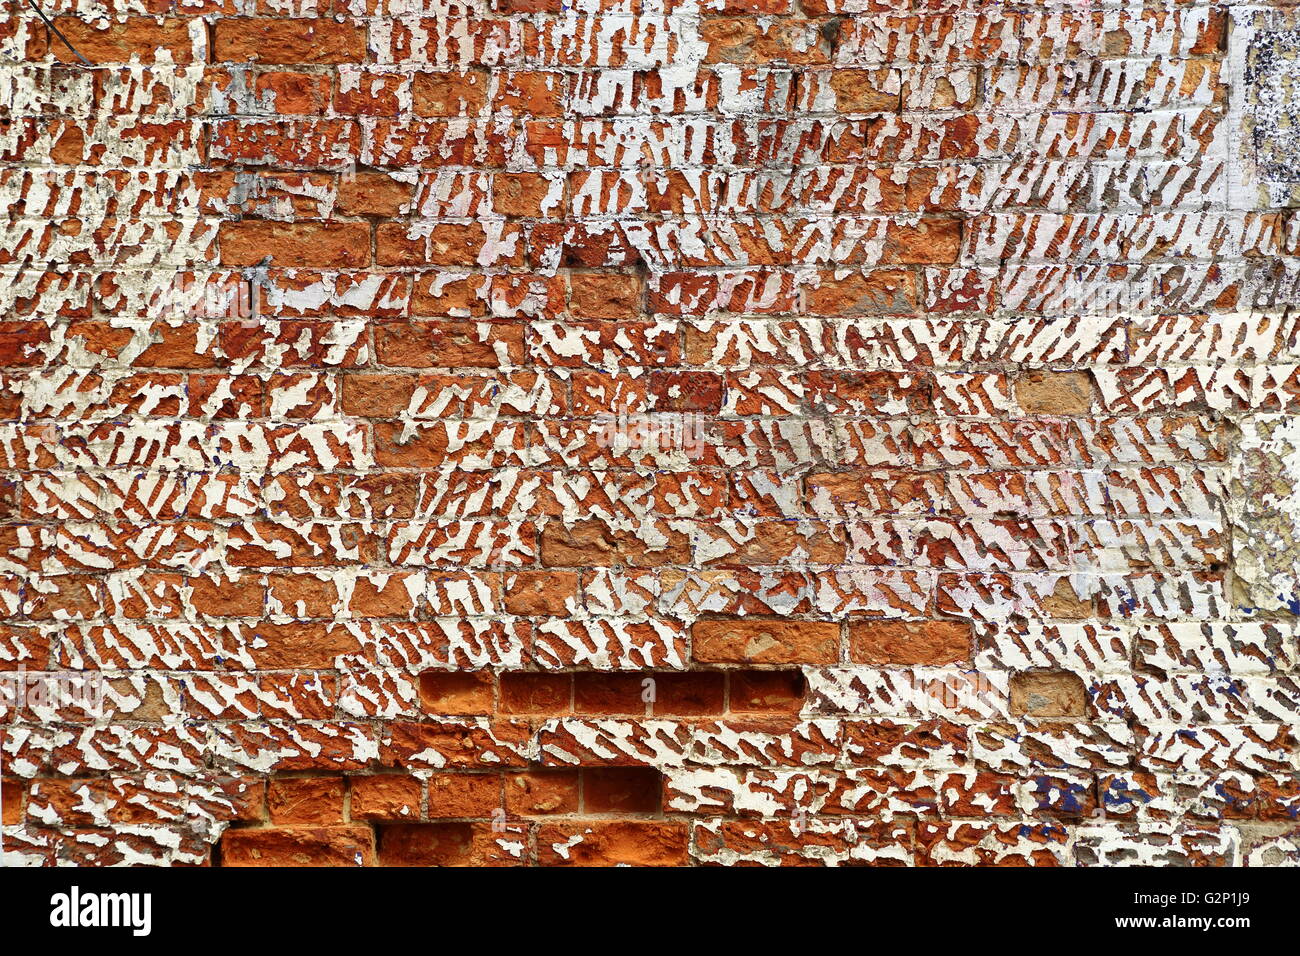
point(49, 23)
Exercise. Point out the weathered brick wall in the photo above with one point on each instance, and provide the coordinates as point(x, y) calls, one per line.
point(653, 431)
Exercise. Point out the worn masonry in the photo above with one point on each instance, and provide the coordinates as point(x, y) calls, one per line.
point(671, 432)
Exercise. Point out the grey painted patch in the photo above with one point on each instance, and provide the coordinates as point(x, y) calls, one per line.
point(1264, 74)
point(1273, 78)
point(1265, 514)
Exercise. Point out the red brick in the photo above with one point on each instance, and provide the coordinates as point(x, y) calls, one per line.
point(306, 800)
point(449, 94)
point(766, 691)
point(445, 692)
point(526, 693)
point(610, 693)
point(13, 791)
point(603, 843)
point(252, 242)
point(599, 296)
point(909, 643)
point(117, 41)
point(766, 642)
point(288, 41)
point(688, 695)
point(385, 797)
point(295, 93)
point(464, 795)
point(543, 793)
point(442, 844)
point(541, 592)
point(298, 846)
point(622, 790)
point(449, 344)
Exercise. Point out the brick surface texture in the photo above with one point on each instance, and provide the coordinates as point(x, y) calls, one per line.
point(664, 432)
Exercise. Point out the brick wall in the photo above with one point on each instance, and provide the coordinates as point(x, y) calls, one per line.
point(649, 431)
